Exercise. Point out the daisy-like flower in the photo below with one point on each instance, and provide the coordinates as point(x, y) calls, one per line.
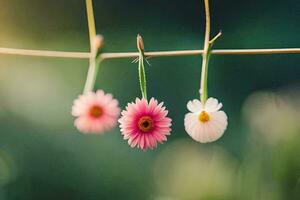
point(95, 112)
point(205, 123)
point(144, 124)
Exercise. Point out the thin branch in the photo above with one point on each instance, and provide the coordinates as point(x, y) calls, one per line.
point(200, 52)
point(256, 51)
point(41, 53)
point(86, 55)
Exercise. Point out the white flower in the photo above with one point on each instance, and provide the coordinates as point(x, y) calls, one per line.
point(205, 123)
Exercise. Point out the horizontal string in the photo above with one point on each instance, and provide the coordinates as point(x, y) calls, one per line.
point(42, 53)
point(199, 52)
point(84, 55)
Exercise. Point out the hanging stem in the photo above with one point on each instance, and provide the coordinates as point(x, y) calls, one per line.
point(205, 55)
point(142, 73)
point(91, 21)
point(92, 74)
point(93, 66)
point(142, 77)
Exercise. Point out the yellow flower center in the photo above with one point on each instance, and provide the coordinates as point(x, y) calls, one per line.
point(145, 124)
point(203, 117)
point(96, 111)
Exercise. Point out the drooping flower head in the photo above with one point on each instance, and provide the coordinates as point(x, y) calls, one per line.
point(144, 124)
point(95, 112)
point(205, 122)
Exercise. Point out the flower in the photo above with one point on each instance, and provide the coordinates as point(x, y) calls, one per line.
point(144, 124)
point(205, 123)
point(96, 112)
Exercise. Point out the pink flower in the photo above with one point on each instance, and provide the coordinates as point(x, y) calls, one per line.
point(96, 112)
point(144, 124)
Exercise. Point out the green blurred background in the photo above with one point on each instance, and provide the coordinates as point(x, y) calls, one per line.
point(42, 156)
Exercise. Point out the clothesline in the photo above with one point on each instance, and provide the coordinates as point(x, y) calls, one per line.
point(86, 55)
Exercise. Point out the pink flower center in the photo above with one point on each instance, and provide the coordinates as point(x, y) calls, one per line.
point(145, 124)
point(96, 111)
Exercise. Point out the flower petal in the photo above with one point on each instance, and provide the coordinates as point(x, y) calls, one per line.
point(86, 123)
point(212, 105)
point(141, 138)
point(194, 106)
point(210, 130)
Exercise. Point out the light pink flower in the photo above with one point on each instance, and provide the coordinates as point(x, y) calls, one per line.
point(95, 112)
point(205, 122)
point(144, 124)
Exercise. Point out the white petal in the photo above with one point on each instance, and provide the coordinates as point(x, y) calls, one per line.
point(189, 121)
point(218, 123)
point(200, 135)
point(194, 106)
point(194, 128)
point(206, 132)
point(212, 105)
point(214, 131)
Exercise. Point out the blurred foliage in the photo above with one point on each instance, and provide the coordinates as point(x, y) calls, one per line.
point(42, 156)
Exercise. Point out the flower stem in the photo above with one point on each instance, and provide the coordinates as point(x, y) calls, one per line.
point(142, 77)
point(142, 73)
point(93, 66)
point(91, 21)
point(205, 55)
point(92, 75)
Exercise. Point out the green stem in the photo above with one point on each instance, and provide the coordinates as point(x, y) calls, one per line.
point(142, 75)
point(204, 78)
point(204, 94)
point(205, 55)
point(92, 74)
point(207, 50)
point(94, 65)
